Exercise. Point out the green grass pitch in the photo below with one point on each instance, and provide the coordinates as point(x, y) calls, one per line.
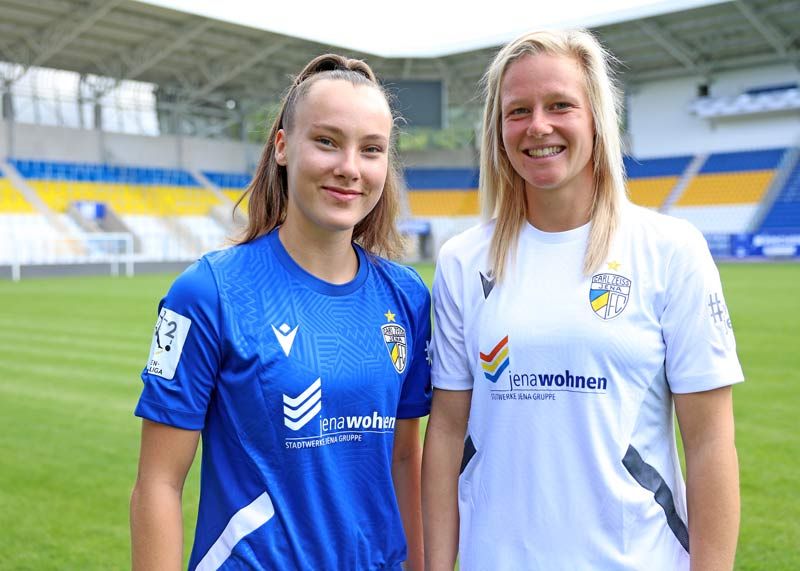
point(72, 350)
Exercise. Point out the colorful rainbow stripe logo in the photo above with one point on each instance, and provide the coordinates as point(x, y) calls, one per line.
point(496, 361)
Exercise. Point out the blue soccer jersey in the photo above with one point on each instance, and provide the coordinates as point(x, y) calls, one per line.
point(296, 385)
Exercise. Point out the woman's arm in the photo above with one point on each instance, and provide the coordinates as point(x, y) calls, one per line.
point(156, 518)
point(406, 474)
point(444, 449)
point(712, 477)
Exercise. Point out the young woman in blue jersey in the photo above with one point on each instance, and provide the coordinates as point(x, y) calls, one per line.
point(300, 357)
point(568, 326)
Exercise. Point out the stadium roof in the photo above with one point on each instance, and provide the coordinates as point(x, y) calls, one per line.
point(421, 28)
point(206, 61)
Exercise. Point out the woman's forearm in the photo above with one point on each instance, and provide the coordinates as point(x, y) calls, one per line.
point(440, 466)
point(712, 489)
point(156, 527)
point(406, 474)
point(441, 462)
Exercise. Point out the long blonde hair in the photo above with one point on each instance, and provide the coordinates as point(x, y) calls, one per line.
point(502, 189)
point(267, 193)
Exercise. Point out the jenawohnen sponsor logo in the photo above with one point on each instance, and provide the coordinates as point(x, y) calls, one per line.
point(545, 386)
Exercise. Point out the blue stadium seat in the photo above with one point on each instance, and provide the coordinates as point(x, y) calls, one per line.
point(784, 216)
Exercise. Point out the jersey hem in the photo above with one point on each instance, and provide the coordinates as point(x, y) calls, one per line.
point(162, 415)
point(414, 411)
point(701, 384)
point(452, 384)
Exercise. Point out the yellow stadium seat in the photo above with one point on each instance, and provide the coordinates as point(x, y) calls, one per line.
point(12, 201)
point(652, 191)
point(444, 202)
point(126, 198)
point(726, 188)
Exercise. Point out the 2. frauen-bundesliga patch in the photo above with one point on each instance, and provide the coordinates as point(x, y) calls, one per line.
point(168, 338)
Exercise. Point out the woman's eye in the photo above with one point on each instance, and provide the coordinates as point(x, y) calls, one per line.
point(325, 141)
point(373, 149)
point(561, 105)
point(519, 111)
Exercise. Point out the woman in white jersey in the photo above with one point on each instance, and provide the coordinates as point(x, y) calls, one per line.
point(568, 326)
point(300, 357)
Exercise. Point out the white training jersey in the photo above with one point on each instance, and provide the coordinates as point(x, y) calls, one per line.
point(570, 457)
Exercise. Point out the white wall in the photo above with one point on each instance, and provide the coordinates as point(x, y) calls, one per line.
point(46, 143)
point(21, 140)
point(660, 123)
point(441, 158)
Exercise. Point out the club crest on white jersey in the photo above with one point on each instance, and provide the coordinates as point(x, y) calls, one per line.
point(609, 294)
point(169, 336)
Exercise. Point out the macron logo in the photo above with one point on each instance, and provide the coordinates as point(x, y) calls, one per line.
point(299, 410)
point(285, 336)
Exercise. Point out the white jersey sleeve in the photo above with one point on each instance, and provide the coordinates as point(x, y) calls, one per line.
point(696, 325)
point(450, 366)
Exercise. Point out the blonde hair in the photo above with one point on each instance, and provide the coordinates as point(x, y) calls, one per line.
point(267, 193)
point(502, 189)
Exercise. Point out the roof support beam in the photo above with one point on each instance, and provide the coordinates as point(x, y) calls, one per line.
point(407, 68)
point(60, 33)
point(671, 44)
point(224, 71)
point(773, 36)
point(151, 53)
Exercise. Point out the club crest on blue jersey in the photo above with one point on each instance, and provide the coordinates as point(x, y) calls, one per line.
point(394, 337)
point(496, 361)
point(609, 293)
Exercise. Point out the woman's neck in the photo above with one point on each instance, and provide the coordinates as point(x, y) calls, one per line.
point(327, 256)
point(561, 209)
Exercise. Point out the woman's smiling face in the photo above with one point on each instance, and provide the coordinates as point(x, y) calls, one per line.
point(336, 155)
point(547, 124)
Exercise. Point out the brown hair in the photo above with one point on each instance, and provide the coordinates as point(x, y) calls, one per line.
point(503, 190)
point(267, 193)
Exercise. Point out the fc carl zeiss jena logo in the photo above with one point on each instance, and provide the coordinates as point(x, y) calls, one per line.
point(394, 336)
point(609, 294)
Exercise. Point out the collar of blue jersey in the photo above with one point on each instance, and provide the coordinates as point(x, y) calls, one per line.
point(313, 282)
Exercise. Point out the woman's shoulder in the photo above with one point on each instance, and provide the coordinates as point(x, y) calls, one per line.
point(475, 236)
point(468, 247)
point(403, 276)
point(666, 230)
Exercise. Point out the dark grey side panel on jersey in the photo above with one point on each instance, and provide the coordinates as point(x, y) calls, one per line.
point(469, 452)
point(649, 478)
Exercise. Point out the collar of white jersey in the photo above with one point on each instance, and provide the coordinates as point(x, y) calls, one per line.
point(530, 232)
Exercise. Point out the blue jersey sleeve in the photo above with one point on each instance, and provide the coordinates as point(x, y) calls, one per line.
point(184, 359)
point(415, 397)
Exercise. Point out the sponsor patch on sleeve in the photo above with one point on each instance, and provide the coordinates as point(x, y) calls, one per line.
point(168, 338)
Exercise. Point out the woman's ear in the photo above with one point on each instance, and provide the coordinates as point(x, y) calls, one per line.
point(280, 147)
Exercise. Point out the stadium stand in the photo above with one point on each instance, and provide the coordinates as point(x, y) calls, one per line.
point(441, 203)
point(65, 122)
point(231, 184)
point(784, 215)
point(725, 195)
point(451, 192)
point(650, 181)
point(166, 209)
point(11, 200)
